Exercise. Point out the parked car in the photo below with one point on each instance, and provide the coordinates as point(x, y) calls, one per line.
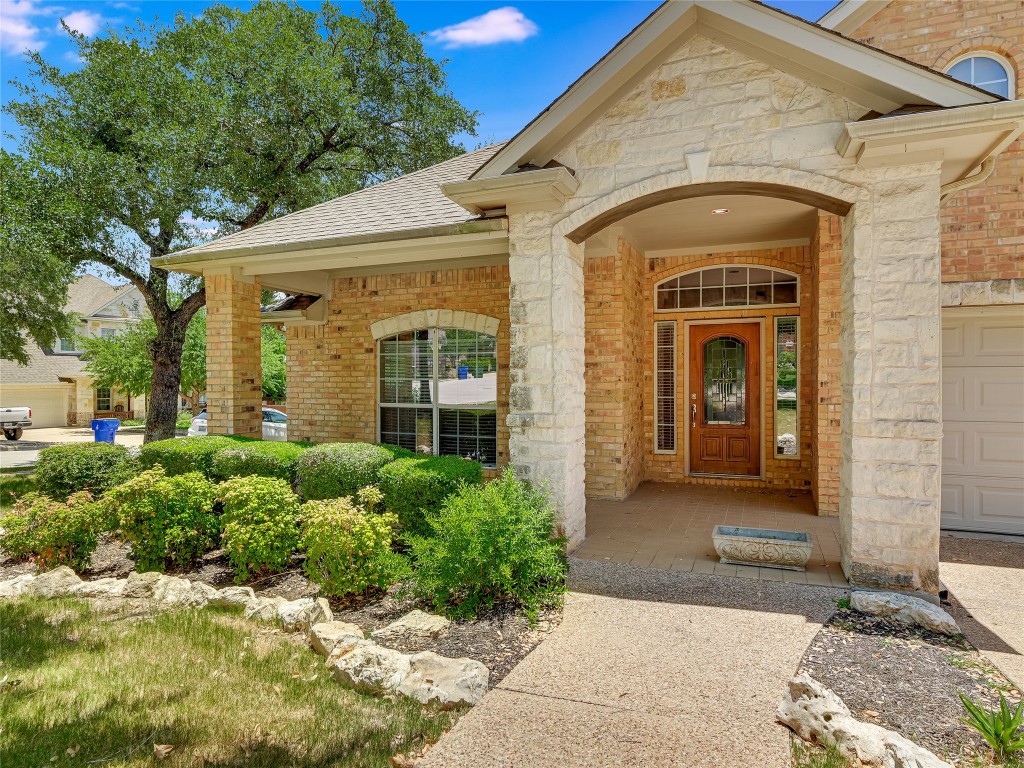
point(14, 420)
point(275, 425)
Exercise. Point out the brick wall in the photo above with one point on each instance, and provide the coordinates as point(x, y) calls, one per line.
point(234, 385)
point(332, 368)
point(614, 373)
point(826, 401)
point(982, 227)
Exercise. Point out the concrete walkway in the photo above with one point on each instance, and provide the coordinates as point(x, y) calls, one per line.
point(986, 581)
point(649, 668)
point(25, 452)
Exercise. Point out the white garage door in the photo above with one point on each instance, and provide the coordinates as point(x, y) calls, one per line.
point(983, 419)
point(49, 404)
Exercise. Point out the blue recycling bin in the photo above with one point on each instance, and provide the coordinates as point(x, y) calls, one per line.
point(463, 371)
point(103, 430)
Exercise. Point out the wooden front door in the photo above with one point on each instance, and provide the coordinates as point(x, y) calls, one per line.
point(724, 401)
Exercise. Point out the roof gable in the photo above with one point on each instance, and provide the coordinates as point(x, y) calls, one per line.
point(847, 15)
point(879, 81)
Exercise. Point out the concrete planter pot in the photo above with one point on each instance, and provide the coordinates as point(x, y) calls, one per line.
point(762, 547)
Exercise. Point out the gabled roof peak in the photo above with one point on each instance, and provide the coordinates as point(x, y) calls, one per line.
point(867, 76)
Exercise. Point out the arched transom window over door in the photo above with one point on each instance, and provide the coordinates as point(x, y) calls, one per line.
point(728, 287)
point(438, 392)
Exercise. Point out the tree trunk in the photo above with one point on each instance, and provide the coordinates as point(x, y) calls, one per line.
point(163, 397)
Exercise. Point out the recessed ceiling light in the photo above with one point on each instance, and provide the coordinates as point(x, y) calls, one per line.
point(719, 211)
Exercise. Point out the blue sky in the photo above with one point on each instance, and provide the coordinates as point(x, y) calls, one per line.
point(507, 60)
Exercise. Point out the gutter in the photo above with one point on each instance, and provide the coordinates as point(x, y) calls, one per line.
point(983, 173)
point(202, 255)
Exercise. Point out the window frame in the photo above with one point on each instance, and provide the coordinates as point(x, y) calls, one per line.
point(674, 398)
point(727, 307)
point(72, 348)
point(434, 405)
point(109, 399)
point(1004, 63)
point(775, 386)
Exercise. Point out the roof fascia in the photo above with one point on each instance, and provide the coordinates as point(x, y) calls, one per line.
point(761, 32)
point(848, 15)
point(195, 262)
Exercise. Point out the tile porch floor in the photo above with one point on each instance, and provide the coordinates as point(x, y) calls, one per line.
point(668, 526)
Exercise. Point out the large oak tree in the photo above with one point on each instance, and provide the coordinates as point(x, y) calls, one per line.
point(218, 122)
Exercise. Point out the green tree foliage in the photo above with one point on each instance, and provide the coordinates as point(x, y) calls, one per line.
point(219, 122)
point(124, 360)
point(35, 269)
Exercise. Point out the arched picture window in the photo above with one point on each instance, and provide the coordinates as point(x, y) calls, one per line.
point(728, 287)
point(986, 72)
point(438, 392)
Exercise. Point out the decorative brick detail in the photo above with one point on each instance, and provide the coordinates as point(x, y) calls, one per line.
point(982, 227)
point(332, 369)
point(234, 384)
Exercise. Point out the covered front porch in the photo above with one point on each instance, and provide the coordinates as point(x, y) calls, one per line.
point(668, 526)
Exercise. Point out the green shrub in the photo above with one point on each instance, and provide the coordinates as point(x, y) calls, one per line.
point(1002, 727)
point(94, 467)
point(184, 420)
point(489, 544)
point(416, 487)
point(348, 546)
point(167, 520)
point(263, 458)
point(333, 470)
point(397, 451)
point(52, 532)
point(260, 524)
point(178, 456)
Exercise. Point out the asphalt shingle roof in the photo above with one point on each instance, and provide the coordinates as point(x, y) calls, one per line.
point(410, 202)
point(44, 367)
point(88, 294)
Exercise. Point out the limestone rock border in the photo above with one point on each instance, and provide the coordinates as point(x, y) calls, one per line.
point(362, 664)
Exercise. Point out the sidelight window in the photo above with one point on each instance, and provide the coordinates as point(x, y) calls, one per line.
point(787, 421)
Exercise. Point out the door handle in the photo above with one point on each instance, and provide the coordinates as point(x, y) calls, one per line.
point(693, 415)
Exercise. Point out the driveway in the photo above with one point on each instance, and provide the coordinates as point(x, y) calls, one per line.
point(985, 579)
point(648, 668)
point(24, 452)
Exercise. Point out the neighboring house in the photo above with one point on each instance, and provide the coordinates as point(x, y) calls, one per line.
point(724, 255)
point(54, 384)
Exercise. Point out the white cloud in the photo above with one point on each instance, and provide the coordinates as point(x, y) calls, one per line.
point(501, 25)
point(86, 22)
point(18, 33)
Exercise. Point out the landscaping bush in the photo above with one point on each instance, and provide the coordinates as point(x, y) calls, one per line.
point(260, 524)
point(263, 458)
point(416, 487)
point(167, 520)
point(334, 470)
point(397, 451)
point(51, 532)
point(489, 544)
point(178, 456)
point(66, 469)
point(348, 546)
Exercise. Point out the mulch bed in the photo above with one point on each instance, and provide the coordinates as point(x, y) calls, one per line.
point(499, 638)
point(906, 679)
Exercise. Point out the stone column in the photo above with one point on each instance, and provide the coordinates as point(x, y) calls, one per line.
point(234, 386)
point(546, 400)
point(891, 382)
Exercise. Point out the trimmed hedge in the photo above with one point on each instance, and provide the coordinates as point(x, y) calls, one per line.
point(262, 458)
point(179, 456)
point(416, 487)
point(95, 467)
point(333, 470)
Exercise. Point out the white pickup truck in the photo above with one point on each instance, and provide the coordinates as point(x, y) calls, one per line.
point(14, 420)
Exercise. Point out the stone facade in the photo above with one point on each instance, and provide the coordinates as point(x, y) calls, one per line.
point(982, 227)
point(234, 390)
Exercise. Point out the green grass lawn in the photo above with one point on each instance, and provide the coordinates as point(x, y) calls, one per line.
point(84, 686)
point(12, 486)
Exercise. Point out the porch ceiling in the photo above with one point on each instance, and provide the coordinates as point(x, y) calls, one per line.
point(689, 225)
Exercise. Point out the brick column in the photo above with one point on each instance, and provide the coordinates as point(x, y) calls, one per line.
point(891, 381)
point(234, 386)
point(546, 400)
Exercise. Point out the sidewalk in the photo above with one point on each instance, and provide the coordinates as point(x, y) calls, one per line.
point(25, 452)
point(648, 668)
